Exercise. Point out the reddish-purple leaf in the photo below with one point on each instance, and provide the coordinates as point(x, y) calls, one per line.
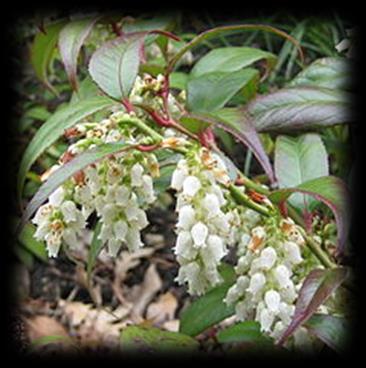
point(299, 108)
point(71, 39)
point(330, 190)
point(316, 289)
point(240, 129)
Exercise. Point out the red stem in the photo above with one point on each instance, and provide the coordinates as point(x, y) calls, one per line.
point(127, 104)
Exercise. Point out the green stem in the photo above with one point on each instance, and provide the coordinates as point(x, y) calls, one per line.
point(242, 198)
point(317, 251)
point(143, 127)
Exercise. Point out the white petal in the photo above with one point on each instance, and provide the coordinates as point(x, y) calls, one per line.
point(141, 219)
point(186, 217)
point(232, 295)
point(69, 211)
point(293, 252)
point(191, 186)
point(106, 232)
point(257, 282)
point(272, 299)
point(266, 319)
point(184, 245)
point(217, 247)
point(286, 312)
point(133, 239)
point(148, 188)
point(242, 283)
point(43, 214)
point(136, 175)
point(211, 204)
point(282, 276)
point(113, 247)
point(42, 230)
point(267, 258)
point(57, 196)
point(53, 240)
point(122, 195)
point(178, 178)
point(241, 310)
point(120, 229)
point(199, 233)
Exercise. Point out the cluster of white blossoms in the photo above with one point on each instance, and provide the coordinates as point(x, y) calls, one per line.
point(118, 188)
point(267, 285)
point(203, 227)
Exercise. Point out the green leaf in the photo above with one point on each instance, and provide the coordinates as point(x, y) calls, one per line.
point(42, 51)
point(145, 25)
point(329, 190)
point(212, 91)
point(87, 89)
point(178, 80)
point(231, 59)
point(65, 172)
point(115, 65)
point(154, 340)
point(209, 309)
point(37, 248)
point(71, 39)
point(299, 108)
point(217, 32)
point(328, 72)
point(54, 127)
point(333, 331)
point(315, 290)
point(298, 160)
point(243, 332)
point(95, 248)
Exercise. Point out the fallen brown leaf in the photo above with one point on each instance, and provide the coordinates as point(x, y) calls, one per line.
point(146, 291)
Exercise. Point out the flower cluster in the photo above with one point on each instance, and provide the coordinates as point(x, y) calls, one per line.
point(203, 226)
point(118, 189)
point(267, 284)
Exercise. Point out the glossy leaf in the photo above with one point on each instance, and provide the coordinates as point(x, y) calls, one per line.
point(333, 331)
point(154, 340)
point(115, 65)
point(54, 127)
point(326, 72)
point(71, 39)
point(241, 129)
point(230, 59)
point(42, 51)
point(316, 289)
point(65, 172)
point(243, 332)
point(329, 190)
point(299, 108)
point(297, 160)
point(212, 91)
point(209, 309)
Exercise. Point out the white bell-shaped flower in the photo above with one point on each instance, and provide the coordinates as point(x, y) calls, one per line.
point(199, 234)
point(186, 217)
point(191, 186)
point(272, 299)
